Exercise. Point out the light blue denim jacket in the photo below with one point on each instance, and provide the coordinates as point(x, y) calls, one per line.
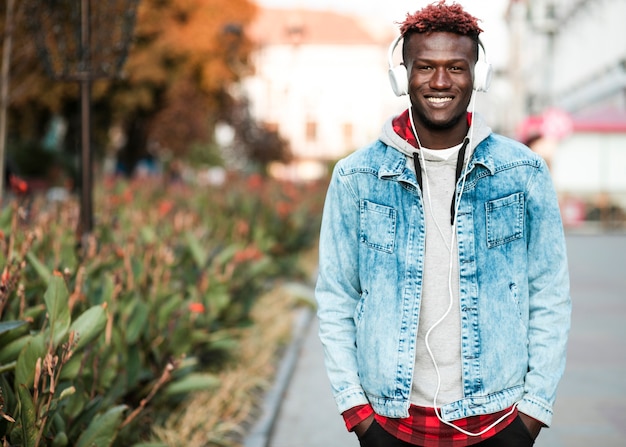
point(514, 284)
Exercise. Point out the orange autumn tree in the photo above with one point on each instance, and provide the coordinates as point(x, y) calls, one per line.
point(175, 84)
point(33, 97)
point(186, 56)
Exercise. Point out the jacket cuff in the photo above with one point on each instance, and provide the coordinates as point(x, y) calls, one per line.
point(536, 408)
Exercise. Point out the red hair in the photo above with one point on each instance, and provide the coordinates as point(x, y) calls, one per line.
point(439, 17)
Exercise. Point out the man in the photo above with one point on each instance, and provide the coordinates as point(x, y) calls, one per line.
point(443, 291)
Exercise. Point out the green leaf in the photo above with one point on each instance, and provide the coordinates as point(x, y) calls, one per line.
point(226, 255)
point(137, 322)
point(133, 365)
point(11, 330)
point(60, 440)
point(89, 325)
point(198, 254)
point(168, 310)
point(27, 417)
point(73, 368)
point(35, 312)
point(57, 305)
point(103, 428)
point(11, 351)
point(74, 408)
point(192, 382)
point(108, 286)
point(43, 271)
point(6, 326)
point(69, 391)
point(6, 215)
point(148, 235)
point(8, 394)
point(218, 300)
point(26, 361)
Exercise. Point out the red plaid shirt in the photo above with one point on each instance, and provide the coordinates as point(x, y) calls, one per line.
point(423, 427)
point(402, 126)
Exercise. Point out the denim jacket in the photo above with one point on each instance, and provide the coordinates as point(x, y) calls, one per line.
point(514, 284)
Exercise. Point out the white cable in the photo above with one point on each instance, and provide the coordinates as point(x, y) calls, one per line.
point(430, 202)
point(451, 260)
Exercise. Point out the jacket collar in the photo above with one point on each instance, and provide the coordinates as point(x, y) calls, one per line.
point(483, 156)
point(393, 162)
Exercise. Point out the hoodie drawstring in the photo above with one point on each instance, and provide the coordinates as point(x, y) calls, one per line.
point(459, 170)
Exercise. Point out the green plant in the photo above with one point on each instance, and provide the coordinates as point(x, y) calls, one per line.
point(98, 346)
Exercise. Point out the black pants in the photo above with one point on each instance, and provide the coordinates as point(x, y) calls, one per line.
point(514, 435)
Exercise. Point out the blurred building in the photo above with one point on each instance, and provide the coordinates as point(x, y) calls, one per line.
point(316, 81)
point(572, 52)
point(568, 72)
point(321, 81)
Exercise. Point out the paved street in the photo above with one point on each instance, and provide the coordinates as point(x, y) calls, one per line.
point(591, 404)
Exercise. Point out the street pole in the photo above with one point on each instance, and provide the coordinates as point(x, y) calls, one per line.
point(86, 209)
point(65, 32)
point(4, 91)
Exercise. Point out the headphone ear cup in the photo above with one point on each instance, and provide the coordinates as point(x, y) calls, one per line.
point(398, 77)
point(482, 76)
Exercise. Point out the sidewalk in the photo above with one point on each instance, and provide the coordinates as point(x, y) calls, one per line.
point(591, 403)
point(322, 424)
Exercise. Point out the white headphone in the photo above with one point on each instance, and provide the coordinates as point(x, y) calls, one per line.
point(398, 75)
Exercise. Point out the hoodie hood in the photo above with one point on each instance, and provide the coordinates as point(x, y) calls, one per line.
point(479, 132)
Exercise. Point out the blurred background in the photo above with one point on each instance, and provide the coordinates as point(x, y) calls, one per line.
point(164, 169)
point(188, 88)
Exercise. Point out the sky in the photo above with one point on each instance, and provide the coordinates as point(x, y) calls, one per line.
point(490, 12)
point(393, 10)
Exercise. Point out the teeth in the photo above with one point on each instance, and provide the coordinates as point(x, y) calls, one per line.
point(439, 100)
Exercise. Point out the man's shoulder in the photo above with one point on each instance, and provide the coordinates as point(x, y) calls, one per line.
point(503, 149)
point(370, 157)
point(499, 140)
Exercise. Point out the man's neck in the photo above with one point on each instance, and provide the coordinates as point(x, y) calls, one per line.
point(437, 138)
point(441, 139)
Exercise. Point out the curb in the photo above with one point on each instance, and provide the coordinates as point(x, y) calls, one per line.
point(260, 434)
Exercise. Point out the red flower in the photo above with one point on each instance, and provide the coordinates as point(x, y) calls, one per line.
point(18, 185)
point(196, 308)
point(165, 206)
point(255, 181)
point(251, 253)
point(5, 277)
point(283, 209)
point(242, 228)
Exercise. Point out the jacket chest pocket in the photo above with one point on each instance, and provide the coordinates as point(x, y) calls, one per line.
point(378, 226)
point(505, 219)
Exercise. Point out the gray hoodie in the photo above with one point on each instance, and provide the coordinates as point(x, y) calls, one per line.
point(438, 349)
point(389, 137)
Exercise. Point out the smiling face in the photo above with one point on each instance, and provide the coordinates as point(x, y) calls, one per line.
point(441, 71)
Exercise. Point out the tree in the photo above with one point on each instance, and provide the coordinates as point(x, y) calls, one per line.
point(175, 84)
point(187, 54)
point(32, 97)
point(4, 81)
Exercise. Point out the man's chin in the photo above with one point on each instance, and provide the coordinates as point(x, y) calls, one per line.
point(440, 124)
point(432, 122)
